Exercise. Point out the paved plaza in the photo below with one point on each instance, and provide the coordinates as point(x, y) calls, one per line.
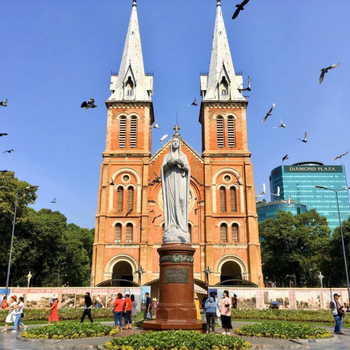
point(10, 341)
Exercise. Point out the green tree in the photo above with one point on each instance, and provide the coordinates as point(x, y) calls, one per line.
point(294, 245)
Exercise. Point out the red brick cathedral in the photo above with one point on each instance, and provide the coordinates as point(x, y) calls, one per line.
point(223, 222)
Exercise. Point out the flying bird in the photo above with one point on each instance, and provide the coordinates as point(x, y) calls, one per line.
point(240, 182)
point(282, 125)
point(8, 151)
point(342, 155)
point(268, 113)
point(155, 125)
point(263, 192)
point(285, 158)
point(128, 212)
point(247, 88)
point(3, 103)
point(89, 104)
point(304, 139)
point(3, 134)
point(240, 7)
point(325, 70)
point(278, 192)
point(163, 138)
point(156, 218)
point(287, 201)
point(53, 201)
point(194, 103)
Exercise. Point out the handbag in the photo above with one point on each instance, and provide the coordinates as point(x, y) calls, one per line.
point(22, 314)
point(218, 313)
point(148, 315)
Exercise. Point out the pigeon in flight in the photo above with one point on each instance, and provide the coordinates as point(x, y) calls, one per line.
point(194, 103)
point(163, 138)
point(342, 155)
point(247, 88)
point(3, 134)
point(240, 7)
point(287, 201)
point(325, 70)
point(285, 158)
point(3, 103)
point(155, 125)
point(156, 218)
point(240, 182)
point(304, 139)
point(8, 151)
point(282, 125)
point(278, 192)
point(268, 113)
point(89, 104)
point(263, 192)
point(53, 201)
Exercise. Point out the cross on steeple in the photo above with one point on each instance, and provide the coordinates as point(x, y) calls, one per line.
point(176, 128)
point(134, 3)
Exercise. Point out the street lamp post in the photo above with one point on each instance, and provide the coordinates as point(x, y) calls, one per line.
point(140, 271)
point(13, 230)
point(341, 234)
point(207, 272)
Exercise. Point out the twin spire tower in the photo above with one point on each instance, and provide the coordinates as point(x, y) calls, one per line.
point(222, 214)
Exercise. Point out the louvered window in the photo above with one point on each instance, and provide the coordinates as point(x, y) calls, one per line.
point(122, 132)
point(133, 132)
point(130, 198)
point(233, 199)
point(190, 231)
point(220, 131)
point(118, 232)
point(129, 232)
point(223, 199)
point(120, 192)
point(231, 132)
point(223, 233)
point(235, 233)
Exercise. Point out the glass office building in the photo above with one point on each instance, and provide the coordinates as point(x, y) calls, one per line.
point(298, 182)
point(269, 210)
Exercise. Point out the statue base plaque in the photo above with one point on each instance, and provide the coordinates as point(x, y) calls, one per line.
point(176, 309)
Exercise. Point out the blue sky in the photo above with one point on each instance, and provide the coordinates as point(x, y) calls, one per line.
point(57, 53)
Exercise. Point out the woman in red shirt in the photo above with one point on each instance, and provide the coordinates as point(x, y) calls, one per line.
point(127, 310)
point(118, 311)
point(53, 314)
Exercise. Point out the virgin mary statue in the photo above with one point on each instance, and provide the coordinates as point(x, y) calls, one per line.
point(175, 173)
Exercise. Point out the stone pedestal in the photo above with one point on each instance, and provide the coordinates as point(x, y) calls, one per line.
point(176, 309)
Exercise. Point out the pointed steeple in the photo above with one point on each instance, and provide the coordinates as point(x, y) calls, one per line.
point(221, 83)
point(131, 82)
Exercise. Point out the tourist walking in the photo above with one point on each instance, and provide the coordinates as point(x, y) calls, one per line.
point(53, 317)
point(87, 308)
point(196, 303)
point(133, 308)
point(118, 311)
point(234, 301)
point(11, 316)
point(210, 307)
point(127, 310)
point(338, 313)
point(225, 311)
point(148, 309)
point(19, 314)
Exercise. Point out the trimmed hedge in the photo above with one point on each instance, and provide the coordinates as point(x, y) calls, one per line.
point(177, 340)
point(283, 330)
point(70, 331)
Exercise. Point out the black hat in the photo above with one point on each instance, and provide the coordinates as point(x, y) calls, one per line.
point(336, 295)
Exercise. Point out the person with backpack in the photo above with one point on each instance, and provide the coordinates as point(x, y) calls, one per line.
point(87, 308)
point(210, 307)
point(338, 313)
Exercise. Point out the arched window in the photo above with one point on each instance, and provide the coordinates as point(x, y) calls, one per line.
point(129, 87)
point(220, 131)
point(233, 199)
point(223, 233)
point(120, 192)
point(118, 232)
point(129, 232)
point(133, 132)
point(122, 132)
point(223, 87)
point(223, 199)
point(130, 198)
point(190, 231)
point(235, 237)
point(231, 131)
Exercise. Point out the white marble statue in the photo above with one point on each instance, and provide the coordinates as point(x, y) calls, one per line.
point(175, 173)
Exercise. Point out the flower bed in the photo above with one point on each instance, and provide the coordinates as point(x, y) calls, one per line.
point(63, 314)
point(283, 330)
point(70, 331)
point(179, 340)
point(321, 316)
